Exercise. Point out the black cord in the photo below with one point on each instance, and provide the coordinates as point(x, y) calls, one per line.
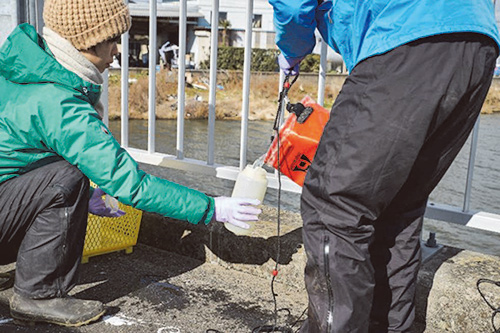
point(299, 319)
point(276, 127)
point(275, 328)
point(283, 93)
point(278, 233)
point(272, 328)
point(495, 310)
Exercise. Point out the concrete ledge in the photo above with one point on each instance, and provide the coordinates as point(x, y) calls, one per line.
point(255, 254)
point(447, 299)
point(152, 290)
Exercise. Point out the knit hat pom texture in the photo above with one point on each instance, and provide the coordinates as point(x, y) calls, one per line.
point(86, 23)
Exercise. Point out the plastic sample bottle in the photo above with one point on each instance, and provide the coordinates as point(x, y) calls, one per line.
point(251, 183)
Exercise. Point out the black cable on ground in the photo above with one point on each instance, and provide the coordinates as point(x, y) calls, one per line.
point(275, 328)
point(495, 310)
point(299, 320)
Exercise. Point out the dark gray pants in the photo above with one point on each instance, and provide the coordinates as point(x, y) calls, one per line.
point(43, 219)
point(395, 128)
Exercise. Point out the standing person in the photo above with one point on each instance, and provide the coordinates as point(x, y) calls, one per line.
point(144, 55)
point(419, 73)
point(53, 140)
point(166, 52)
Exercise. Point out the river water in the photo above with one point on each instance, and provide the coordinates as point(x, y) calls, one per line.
point(485, 194)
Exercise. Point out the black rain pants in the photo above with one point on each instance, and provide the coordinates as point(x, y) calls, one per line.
point(43, 219)
point(395, 128)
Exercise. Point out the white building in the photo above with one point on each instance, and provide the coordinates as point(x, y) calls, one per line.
point(199, 14)
point(236, 13)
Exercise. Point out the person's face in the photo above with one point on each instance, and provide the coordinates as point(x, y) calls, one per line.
point(102, 54)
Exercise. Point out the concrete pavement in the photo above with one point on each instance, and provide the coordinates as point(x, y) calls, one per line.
point(185, 278)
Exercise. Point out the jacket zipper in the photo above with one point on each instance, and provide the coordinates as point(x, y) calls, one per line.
point(328, 283)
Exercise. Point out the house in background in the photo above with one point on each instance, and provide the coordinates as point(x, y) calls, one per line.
point(232, 23)
point(232, 18)
point(13, 12)
point(167, 28)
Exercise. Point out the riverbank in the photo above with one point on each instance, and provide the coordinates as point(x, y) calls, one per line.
point(263, 97)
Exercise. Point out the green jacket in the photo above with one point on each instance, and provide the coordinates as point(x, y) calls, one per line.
point(47, 114)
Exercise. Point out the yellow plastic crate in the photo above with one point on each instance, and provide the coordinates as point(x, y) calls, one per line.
point(110, 234)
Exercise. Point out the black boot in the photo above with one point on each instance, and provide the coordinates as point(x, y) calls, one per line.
point(64, 311)
point(6, 280)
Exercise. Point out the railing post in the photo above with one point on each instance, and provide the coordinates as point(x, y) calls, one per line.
point(214, 39)
point(470, 169)
point(124, 87)
point(322, 73)
point(281, 111)
point(152, 76)
point(35, 14)
point(105, 96)
point(283, 105)
point(181, 80)
point(246, 85)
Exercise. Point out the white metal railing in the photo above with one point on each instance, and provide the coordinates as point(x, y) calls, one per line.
point(124, 88)
point(209, 167)
point(152, 77)
point(214, 41)
point(246, 84)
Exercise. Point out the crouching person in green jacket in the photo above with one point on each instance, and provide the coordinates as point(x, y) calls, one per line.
point(53, 140)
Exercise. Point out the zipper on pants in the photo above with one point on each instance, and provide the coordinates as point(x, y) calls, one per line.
point(63, 252)
point(326, 253)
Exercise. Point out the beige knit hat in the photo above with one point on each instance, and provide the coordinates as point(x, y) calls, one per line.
point(86, 23)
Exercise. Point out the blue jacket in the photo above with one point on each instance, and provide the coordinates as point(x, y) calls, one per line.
point(358, 29)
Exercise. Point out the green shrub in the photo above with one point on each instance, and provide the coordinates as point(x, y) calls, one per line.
point(263, 60)
point(310, 64)
point(232, 58)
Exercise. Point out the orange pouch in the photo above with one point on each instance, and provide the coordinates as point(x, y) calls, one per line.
point(299, 138)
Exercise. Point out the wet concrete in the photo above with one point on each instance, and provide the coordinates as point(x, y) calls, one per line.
point(185, 278)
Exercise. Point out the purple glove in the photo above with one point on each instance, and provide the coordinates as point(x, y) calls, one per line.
point(236, 210)
point(98, 207)
point(289, 66)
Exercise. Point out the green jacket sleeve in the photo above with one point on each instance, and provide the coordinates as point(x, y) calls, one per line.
point(75, 131)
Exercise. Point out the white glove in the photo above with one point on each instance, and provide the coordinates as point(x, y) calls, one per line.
point(236, 210)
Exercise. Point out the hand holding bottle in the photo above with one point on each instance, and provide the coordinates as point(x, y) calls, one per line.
point(236, 211)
